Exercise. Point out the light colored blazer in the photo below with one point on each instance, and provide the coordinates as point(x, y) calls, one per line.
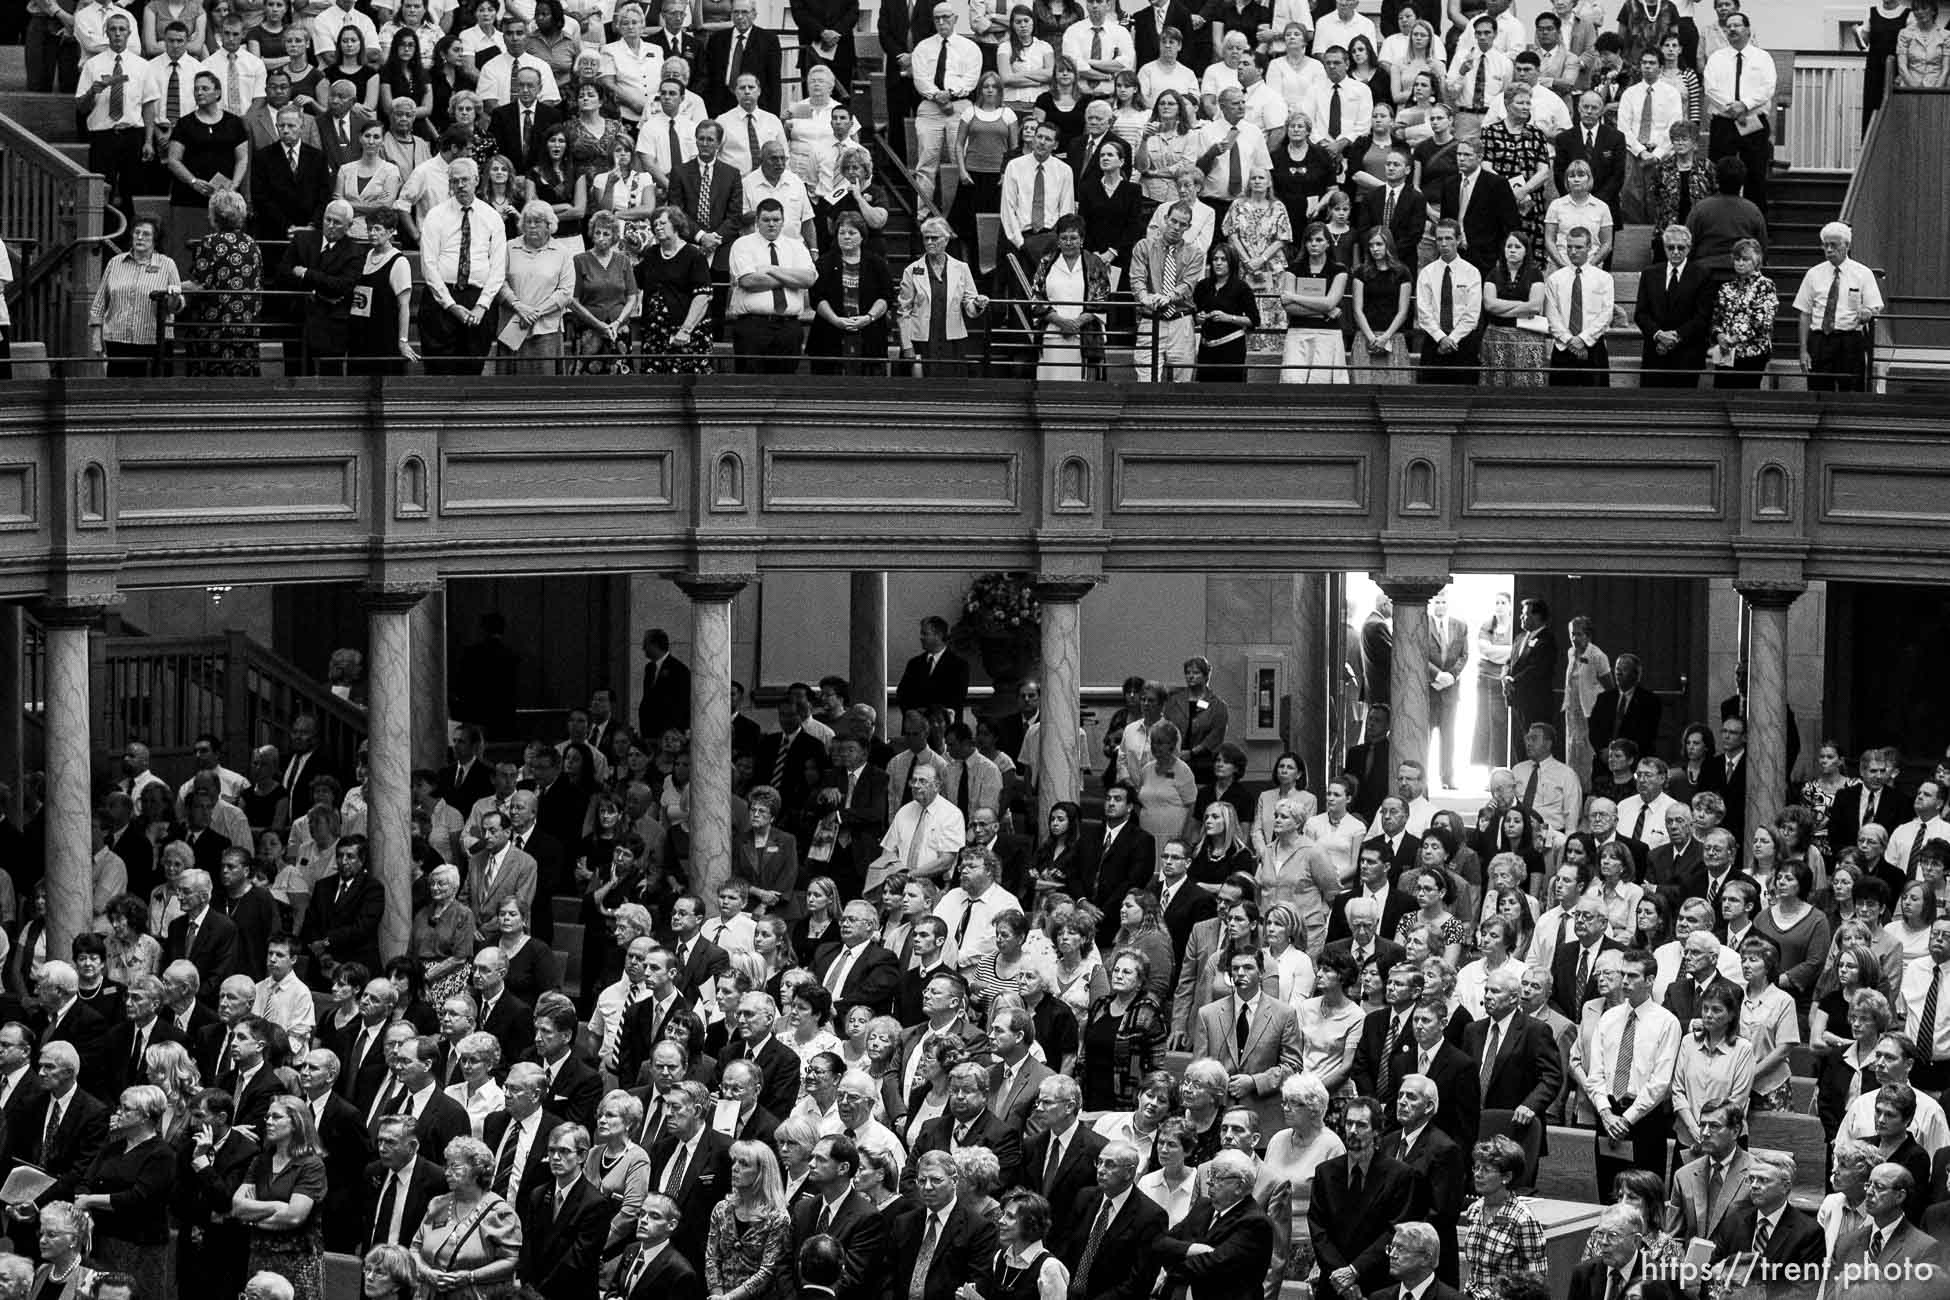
point(916, 300)
point(1273, 1049)
point(1687, 1214)
point(517, 880)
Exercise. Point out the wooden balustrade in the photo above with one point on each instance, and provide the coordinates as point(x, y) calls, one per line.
point(1823, 132)
point(45, 197)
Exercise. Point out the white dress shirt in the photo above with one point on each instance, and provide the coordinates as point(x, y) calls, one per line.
point(495, 83)
point(1357, 110)
point(138, 90)
point(653, 139)
point(1859, 291)
point(753, 253)
point(1114, 45)
point(1594, 318)
point(964, 66)
point(1466, 298)
point(735, 146)
point(250, 79)
point(1663, 102)
point(1752, 68)
point(186, 69)
point(977, 939)
point(790, 191)
point(1019, 194)
point(1335, 32)
point(1655, 1055)
point(440, 236)
point(1252, 155)
point(1462, 74)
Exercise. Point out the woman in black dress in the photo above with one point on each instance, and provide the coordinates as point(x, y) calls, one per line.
point(381, 304)
point(406, 76)
point(1303, 171)
point(851, 301)
point(675, 278)
point(352, 67)
point(1112, 206)
point(1226, 313)
point(128, 1189)
point(555, 181)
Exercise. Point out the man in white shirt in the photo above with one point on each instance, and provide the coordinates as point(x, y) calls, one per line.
point(1578, 307)
point(1100, 47)
point(463, 260)
point(1037, 188)
point(1264, 107)
point(1646, 111)
point(1837, 299)
point(1873, 1113)
point(772, 181)
point(1448, 305)
point(1631, 1085)
point(495, 84)
point(1229, 150)
point(1548, 113)
point(1412, 785)
point(770, 275)
point(945, 68)
point(969, 910)
point(282, 998)
point(667, 136)
point(925, 834)
point(632, 66)
point(1337, 30)
point(428, 185)
point(1928, 824)
point(1546, 784)
point(174, 72)
point(326, 23)
point(1642, 816)
point(971, 781)
point(1344, 110)
point(239, 73)
point(748, 128)
point(1739, 84)
point(1477, 74)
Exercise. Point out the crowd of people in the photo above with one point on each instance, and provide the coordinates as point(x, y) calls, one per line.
point(918, 1036)
point(1413, 197)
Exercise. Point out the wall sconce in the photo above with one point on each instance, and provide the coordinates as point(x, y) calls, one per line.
point(217, 594)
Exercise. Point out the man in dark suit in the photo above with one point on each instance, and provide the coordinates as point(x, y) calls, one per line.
point(1238, 1237)
point(1597, 144)
point(656, 1267)
point(1675, 309)
point(1435, 1162)
point(340, 127)
point(399, 1185)
point(1370, 763)
point(723, 196)
point(74, 1022)
point(967, 1123)
point(740, 49)
point(1453, 1073)
point(1121, 859)
point(1725, 774)
point(698, 959)
point(964, 1241)
point(1378, 650)
point(1110, 1247)
point(784, 757)
point(469, 778)
point(1482, 203)
point(509, 1019)
point(252, 1083)
point(857, 971)
point(1526, 1071)
point(519, 127)
point(574, 1089)
point(754, 1041)
point(858, 791)
point(1400, 207)
point(1375, 875)
point(1618, 1259)
point(937, 678)
point(342, 1136)
point(1378, 1068)
point(665, 701)
point(1350, 1228)
point(289, 186)
point(1531, 676)
point(692, 1165)
point(1148, 28)
point(1788, 1240)
point(1415, 1261)
point(438, 1118)
point(930, 942)
point(1628, 711)
point(523, 1168)
point(563, 1222)
point(1699, 962)
point(1579, 958)
point(835, 1210)
point(20, 1083)
point(1061, 1161)
point(1878, 800)
point(1401, 849)
point(140, 1029)
point(202, 935)
point(64, 1128)
point(342, 920)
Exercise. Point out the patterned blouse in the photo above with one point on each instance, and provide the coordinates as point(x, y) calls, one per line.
point(1673, 192)
point(747, 1260)
point(1137, 1050)
point(1743, 316)
point(1501, 1245)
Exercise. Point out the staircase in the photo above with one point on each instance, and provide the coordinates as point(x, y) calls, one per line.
point(1799, 204)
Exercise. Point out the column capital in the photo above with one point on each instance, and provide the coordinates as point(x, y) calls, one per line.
point(84, 610)
point(1770, 594)
point(1063, 588)
point(394, 597)
point(1419, 589)
point(713, 586)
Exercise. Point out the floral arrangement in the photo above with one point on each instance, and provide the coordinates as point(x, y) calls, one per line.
point(1000, 605)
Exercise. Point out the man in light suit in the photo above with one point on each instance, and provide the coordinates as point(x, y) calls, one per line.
point(1016, 1076)
point(1448, 654)
point(1876, 1260)
point(1705, 1188)
point(1260, 1058)
point(497, 873)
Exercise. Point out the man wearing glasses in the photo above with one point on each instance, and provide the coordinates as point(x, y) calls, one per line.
point(1412, 1254)
point(343, 1139)
point(1616, 1264)
point(1871, 1258)
point(1225, 1245)
point(563, 1222)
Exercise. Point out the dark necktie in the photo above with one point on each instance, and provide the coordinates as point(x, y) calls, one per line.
point(1762, 1231)
point(293, 157)
point(737, 65)
point(1529, 800)
point(967, 915)
point(1926, 1019)
point(527, 125)
point(961, 791)
point(1714, 1175)
point(676, 153)
point(704, 196)
point(1739, 70)
point(504, 1164)
point(189, 938)
point(1388, 208)
point(135, 1056)
point(785, 742)
point(1334, 113)
point(1584, 975)
point(1577, 327)
point(1050, 1166)
point(751, 136)
point(173, 98)
point(1096, 44)
point(941, 66)
point(678, 1165)
point(1446, 319)
point(825, 1216)
point(1621, 1073)
point(1489, 1056)
point(1834, 297)
point(1355, 1177)
point(1385, 1076)
point(1038, 201)
point(116, 101)
point(462, 280)
point(1098, 1227)
point(382, 1223)
point(1672, 279)
point(1242, 1029)
point(1482, 81)
point(1638, 827)
point(53, 1127)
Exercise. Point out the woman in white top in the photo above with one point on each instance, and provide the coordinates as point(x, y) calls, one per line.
point(1915, 912)
point(1416, 54)
point(1289, 776)
point(1171, 1185)
point(1289, 971)
point(1296, 1151)
point(477, 1092)
point(1618, 896)
point(1024, 61)
point(1024, 1224)
point(1143, 1127)
point(814, 143)
point(1338, 832)
point(1577, 210)
point(1494, 940)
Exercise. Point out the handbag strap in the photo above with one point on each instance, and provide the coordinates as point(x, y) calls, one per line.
point(452, 1247)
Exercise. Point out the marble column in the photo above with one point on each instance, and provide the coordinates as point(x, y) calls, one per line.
point(68, 818)
point(1057, 778)
point(389, 751)
point(427, 623)
point(1408, 677)
point(13, 702)
point(1315, 671)
point(1767, 703)
point(866, 659)
point(711, 600)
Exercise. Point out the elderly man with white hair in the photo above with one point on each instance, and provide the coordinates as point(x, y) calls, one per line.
point(17, 1275)
point(70, 1020)
point(65, 1129)
point(1837, 300)
point(1438, 1161)
point(1616, 1258)
point(464, 261)
point(1225, 1245)
point(325, 263)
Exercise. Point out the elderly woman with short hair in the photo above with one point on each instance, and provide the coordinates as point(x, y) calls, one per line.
point(226, 269)
point(606, 297)
point(618, 1167)
point(470, 1241)
point(122, 318)
point(66, 1238)
point(127, 1190)
point(1295, 1152)
point(540, 285)
point(936, 299)
point(479, 1095)
point(443, 936)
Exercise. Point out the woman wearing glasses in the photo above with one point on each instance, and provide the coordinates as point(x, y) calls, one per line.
point(128, 1188)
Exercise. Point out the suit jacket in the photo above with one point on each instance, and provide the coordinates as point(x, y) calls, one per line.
point(1797, 1240)
point(1893, 808)
point(504, 123)
point(669, 1277)
point(1125, 1266)
point(1144, 28)
point(778, 1063)
point(1273, 1049)
point(463, 793)
point(517, 879)
point(1732, 787)
point(85, 1028)
point(67, 1153)
point(861, 1235)
point(359, 1081)
point(1667, 866)
point(13, 1124)
point(938, 1134)
point(1438, 1290)
point(1454, 1074)
point(1365, 1073)
point(863, 817)
point(512, 1022)
point(336, 154)
point(796, 789)
point(727, 197)
point(761, 59)
point(1353, 1232)
point(665, 700)
point(349, 925)
point(1439, 1176)
point(1687, 1213)
point(1242, 1241)
point(1377, 653)
point(1076, 1171)
point(686, 44)
point(1129, 865)
point(1399, 903)
point(872, 981)
point(707, 961)
point(945, 688)
point(966, 1249)
point(575, 1094)
point(119, 1048)
point(1491, 217)
point(1528, 1070)
point(253, 1103)
point(560, 1247)
point(1607, 163)
point(1640, 725)
point(1369, 764)
point(214, 953)
point(422, 1185)
point(1566, 996)
point(1589, 1279)
point(1019, 1106)
point(1906, 1244)
point(282, 198)
point(1683, 1001)
point(534, 1171)
point(707, 1179)
point(1411, 214)
point(342, 1137)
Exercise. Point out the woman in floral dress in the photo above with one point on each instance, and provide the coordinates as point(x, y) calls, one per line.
point(227, 266)
point(1258, 228)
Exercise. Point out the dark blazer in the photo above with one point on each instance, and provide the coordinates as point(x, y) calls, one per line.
point(1365, 1073)
point(142, 1181)
point(534, 1173)
point(359, 1083)
point(1845, 814)
point(349, 926)
point(575, 1094)
point(687, 44)
point(988, 1131)
point(1687, 310)
point(1492, 216)
point(864, 817)
point(670, 1277)
point(1607, 163)
point(1075, 1172)
point(1399, 904)
point(1797, 1240)
point(665, 699)
point(422, 1185)
point(85, 1028)
point(1401, 856)
point(780, 1066)
point(512, 1022)
point(1242, 1241)
point(1369, 763)
point(1438, 1290)
point(1437, 1188)
point(1682, 1000)
point(281, 198)
point(443, 1119)
point(256, 917)
point(1640, 725)
point(1667, 867)
point(342, 1137)
point(707, 1179)
point(761, 60)
point(461, 793)
point(825, 339)
point(1566, 996)
point(1588, 1280)
point(862, 1238)
point(727, 196)
point(253, 1103)
point(119, 1048)
point(13, 1124)
point(1695, 884)
point(1125, 1266)
point(70, 1150)
point(966, 1249)
point(330, 278)
point(560, 1248)
point(642, 1027)
point(796, 789)
point(504, 123)
point(214, 953)
point(872, 982)
point(336, 155)
point(208, 846)
point(1528, 1070)
point(1454, 1074)
point(1411, 215)
point(1131, 864)
point(1144, 28)
point(945, 688)
point(1713, 776)
point(1351, 1232)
